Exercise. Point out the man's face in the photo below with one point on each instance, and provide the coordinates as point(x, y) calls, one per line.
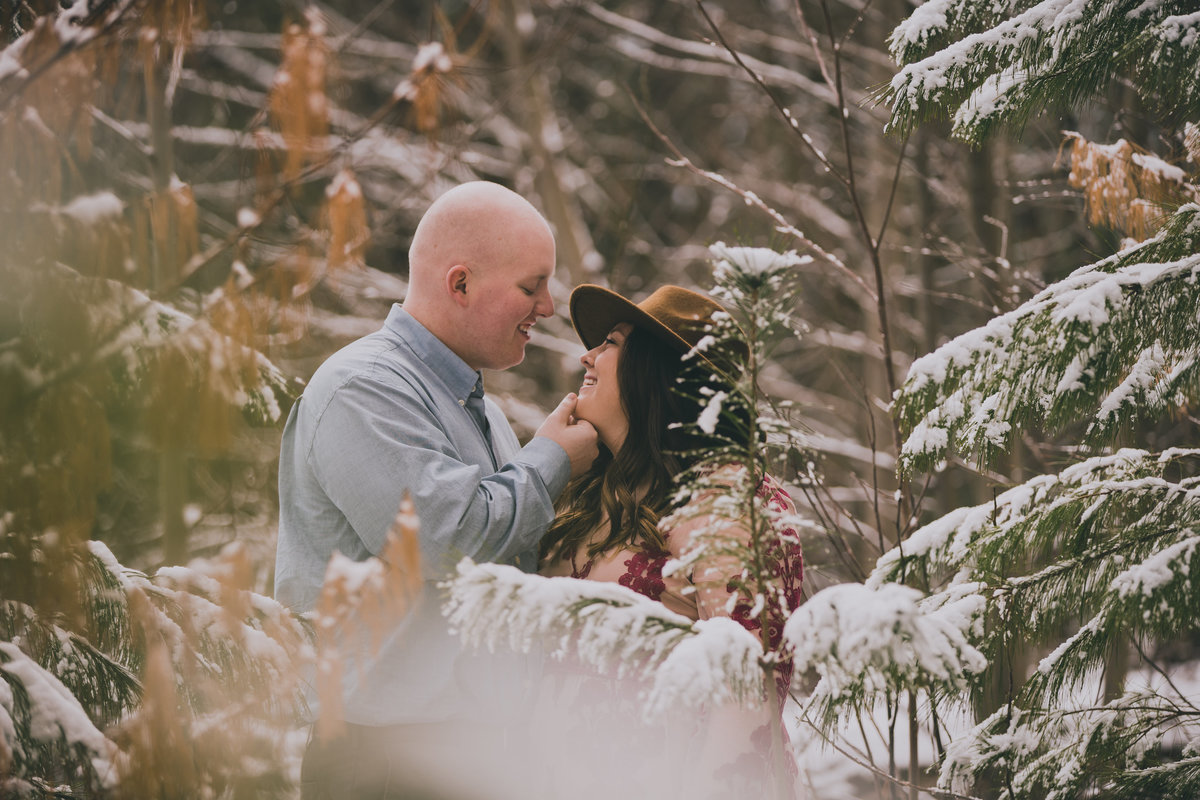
point(511, 294)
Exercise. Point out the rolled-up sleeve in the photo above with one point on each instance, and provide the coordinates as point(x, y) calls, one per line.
point(374, 441)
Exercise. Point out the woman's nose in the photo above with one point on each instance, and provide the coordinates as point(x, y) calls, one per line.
point(587, 358)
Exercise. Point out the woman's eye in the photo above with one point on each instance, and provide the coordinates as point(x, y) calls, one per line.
point(610, 340)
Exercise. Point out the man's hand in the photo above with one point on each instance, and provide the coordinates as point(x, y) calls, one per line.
point(577, 437)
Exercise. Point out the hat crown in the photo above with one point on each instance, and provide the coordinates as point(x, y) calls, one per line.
point(685, 313)
point(677, 316)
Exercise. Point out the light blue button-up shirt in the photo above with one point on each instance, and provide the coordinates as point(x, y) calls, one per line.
point(385, 415)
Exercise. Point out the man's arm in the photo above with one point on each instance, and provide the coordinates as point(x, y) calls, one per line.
point(372, 443)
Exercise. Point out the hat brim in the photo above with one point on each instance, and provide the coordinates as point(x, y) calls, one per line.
point(595, 311)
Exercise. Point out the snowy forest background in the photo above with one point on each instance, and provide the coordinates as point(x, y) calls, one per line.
point(200, 201)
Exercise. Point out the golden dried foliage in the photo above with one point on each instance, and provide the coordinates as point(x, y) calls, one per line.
point(172, 215)
point(202, 714)
point(196, 380)
point(426, 87)
point(6, 756)
point(241, 312)
point(1124, 188)
point(297, 101)
point(266, 308)
point(55, 435)
point(172, 21)
point(50, 112)
point(235, 575)
point(360, 602)
point(71, 464)
point(97, 245)
point(288, 283)
point(157, 756)
point(347, 218)
point(264, 166)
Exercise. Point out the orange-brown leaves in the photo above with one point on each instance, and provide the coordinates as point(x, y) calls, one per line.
point(172, 20)
point(426, 87)
point(172, 215)
point(359, 604)
point(347, 217)
point(158, 758)
point(49, 112)
point(298, 104)
point(197, 381)
point(55, 435)
point(1125, 188)
point(93, 236)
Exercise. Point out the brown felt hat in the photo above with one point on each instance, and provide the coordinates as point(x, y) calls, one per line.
point(675, 315)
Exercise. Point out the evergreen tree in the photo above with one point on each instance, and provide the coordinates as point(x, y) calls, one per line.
point(1092, 562)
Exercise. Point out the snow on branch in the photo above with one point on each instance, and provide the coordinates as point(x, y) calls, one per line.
point(1125, 536)
point(1124, 187)
point(136, 334)
point(863, 640)
point(1059, 752)
point(609, 628)
point(1172, 49)
point(47, 713)
point(1113, 339)
point(1001, 69)
point(1027, 515)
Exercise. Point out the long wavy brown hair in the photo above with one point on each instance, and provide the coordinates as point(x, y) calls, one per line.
point(661, 395)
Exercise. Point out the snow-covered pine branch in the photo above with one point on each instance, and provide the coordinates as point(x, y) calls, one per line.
point(133, 333)
point(1114, 339)
point(104, 685)
point(609, 628)
point(44, 730)
point(1126, 538)
point(74, 703)
point(1073, 747)
point(935, 23)
point(995, 71)
point(864, 641)
point(755, 282)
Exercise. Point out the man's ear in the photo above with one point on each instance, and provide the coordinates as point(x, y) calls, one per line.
point(458, 280)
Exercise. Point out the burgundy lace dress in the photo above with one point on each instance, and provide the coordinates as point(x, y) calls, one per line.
point(641, 569)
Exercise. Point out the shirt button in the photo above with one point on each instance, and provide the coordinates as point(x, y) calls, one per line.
point(462, 402)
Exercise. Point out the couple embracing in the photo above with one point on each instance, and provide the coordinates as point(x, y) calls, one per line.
point(403, 410)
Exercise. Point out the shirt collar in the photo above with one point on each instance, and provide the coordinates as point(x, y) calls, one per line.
point(459, 378)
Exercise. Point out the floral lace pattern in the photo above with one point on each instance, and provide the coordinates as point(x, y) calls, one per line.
point(643, 574)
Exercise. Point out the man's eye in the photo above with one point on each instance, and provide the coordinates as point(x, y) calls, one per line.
point(527, 291)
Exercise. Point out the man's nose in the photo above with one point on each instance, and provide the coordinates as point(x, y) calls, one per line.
point(544, 307)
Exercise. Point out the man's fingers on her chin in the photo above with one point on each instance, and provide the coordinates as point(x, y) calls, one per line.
point(566, 406)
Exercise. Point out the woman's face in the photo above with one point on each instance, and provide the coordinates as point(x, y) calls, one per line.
point(600, 396)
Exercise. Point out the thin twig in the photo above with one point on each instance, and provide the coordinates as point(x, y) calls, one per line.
point(784, 110)
point(887, 211)
point(874, 770)
point(816, 45)
point(782, 225)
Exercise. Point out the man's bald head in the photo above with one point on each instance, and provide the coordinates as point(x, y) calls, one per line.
point(479, 271)
point(471, 224)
